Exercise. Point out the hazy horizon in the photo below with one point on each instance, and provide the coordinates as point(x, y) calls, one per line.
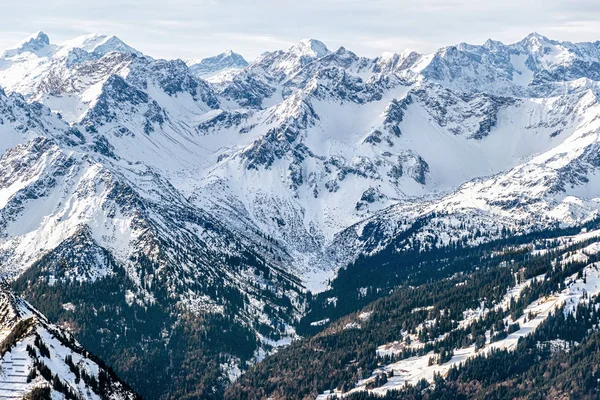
point(369, 28)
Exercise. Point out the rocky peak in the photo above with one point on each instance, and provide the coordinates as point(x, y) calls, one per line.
point(219, 63)
point(32, 44)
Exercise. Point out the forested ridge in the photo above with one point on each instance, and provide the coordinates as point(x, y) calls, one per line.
point(337, 357)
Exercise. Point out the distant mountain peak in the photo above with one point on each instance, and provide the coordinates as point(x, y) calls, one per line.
point(113, 43)
point(228, 60)
point(310, 47)
point(491, 44)
point(34, 43)
point(536, 40)
point(39, 44)
point(38, 38)
point(536, 36)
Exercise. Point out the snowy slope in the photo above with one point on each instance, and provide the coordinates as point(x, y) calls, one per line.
point(36, 354)
point(73, 211)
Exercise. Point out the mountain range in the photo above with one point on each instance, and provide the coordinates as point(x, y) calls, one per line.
point(189, 213)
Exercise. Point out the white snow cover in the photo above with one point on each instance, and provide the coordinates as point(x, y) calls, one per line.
point(308, 146)
point(308, 156)
point(17, 363)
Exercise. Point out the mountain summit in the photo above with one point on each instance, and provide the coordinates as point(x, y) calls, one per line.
point(32, 44)
point(311, 48)
point(224, 62)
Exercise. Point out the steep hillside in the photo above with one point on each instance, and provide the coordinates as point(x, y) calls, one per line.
point(512, 311)
point(38, 358)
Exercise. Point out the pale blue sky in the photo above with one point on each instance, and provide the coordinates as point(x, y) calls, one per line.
point(201, 28)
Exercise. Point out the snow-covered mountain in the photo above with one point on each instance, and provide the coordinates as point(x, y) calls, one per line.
point(218, 67)
point(304, 143)
point(37, 356)
point(231, 196)
point(343, 140)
